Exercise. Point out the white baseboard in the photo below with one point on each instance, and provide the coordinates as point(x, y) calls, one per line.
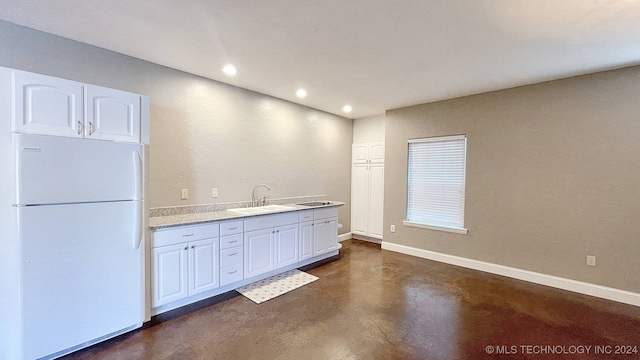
point(367, 238)
point(581, 287)
point(343, 237)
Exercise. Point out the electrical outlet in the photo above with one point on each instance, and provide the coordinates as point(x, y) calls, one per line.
point(591, 260)
point(185, 194)
point(393, 228)
point(214, 192)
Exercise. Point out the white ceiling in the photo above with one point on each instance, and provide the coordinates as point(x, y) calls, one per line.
point(372, 54)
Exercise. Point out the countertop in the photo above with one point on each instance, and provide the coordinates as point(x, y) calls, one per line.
point(160, 222)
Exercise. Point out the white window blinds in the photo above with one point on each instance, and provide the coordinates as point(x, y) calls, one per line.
point(435, 183)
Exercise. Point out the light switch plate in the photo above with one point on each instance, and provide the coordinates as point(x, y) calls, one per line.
point(591, 260)
point(214, 192)
point(185, 194)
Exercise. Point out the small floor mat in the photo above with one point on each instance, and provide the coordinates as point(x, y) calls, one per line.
point(269, 288)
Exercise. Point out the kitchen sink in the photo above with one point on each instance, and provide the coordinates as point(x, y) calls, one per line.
point(316, 203)
point(261, 209)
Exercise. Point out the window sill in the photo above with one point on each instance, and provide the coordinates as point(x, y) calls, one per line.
point(439, 228)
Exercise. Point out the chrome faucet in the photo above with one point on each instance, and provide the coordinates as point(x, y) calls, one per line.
point(253, 195)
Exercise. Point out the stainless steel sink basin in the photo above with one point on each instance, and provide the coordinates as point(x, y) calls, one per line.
point(316, 203)
point(261, 209)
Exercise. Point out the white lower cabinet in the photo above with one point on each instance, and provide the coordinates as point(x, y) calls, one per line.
point(325, 231)
point(286, 245)
point(270, 249)
point(204, 273)
point(170, 273)
point(190, 260)
point(258, 252)
point(184, 270)
point(231, 252)
point(306, 240)
point(325, 235)
point(185, 262)
point(270, 242)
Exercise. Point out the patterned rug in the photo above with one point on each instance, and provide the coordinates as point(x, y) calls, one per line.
point(272, 287)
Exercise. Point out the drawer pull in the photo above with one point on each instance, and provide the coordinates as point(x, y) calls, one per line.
point(232, 272)
point(187, 235)
point(235, 253)
point(234, 241)
point(233, 228)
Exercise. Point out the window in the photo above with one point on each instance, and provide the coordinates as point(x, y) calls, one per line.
point(435, 183)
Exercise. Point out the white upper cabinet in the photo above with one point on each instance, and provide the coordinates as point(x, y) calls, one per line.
point(51, 106)
point(367, 153)
point(360, 153)
point(112, 114)
point(376, 152)
point(46, 105)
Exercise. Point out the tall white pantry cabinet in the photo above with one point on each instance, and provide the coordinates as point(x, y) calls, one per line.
point(367, 189)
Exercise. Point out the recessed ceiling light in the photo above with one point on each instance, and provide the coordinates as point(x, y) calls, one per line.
point(347, 108)
point(301, 93)
point(229, 69)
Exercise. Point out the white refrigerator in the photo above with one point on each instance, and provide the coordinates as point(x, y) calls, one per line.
point(79, 219)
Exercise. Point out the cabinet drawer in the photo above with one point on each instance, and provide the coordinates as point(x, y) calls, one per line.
point(305, 216)
point(230, 227)
point(231, 241)
point(231, 274)
point(184, 234)
point(325, 213)
point(231, 256)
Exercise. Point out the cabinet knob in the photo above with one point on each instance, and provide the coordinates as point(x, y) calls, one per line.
point(277, 231)
point(186, 248)
point(193, 246)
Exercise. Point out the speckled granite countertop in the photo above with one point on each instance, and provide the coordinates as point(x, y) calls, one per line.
point(167, 221)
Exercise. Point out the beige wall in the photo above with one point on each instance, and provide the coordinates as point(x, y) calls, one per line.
point(204, 133)
point(553, 174)
point(368, 129)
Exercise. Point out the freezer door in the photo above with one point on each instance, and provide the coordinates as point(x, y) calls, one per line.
point(59, 170)
point(81, 275)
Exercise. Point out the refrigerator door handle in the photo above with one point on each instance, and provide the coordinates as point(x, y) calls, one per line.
point(137, 232)
point(137, 225)
point(137, 176)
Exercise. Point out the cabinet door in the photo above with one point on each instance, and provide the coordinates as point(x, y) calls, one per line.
point(376, 200)
point(376, 152)
point(204, 267)
point(170, 274)
point(286, 245)
point(46, 105)
point(319, 237)
point(306, 240)
point(360, 153)
point(258, 252)
point(331, 235)
point(112, 114)
point(359, 198)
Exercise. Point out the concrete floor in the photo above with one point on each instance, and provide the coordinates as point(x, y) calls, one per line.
point(375, 304)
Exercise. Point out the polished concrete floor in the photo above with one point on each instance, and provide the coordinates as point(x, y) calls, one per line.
point(376, 304)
